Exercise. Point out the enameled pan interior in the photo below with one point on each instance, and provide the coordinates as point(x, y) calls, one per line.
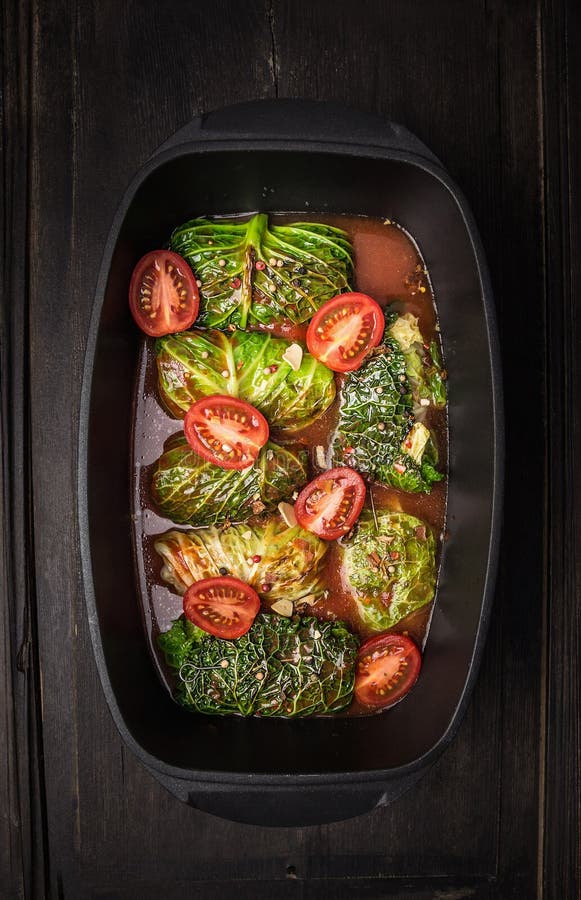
point(221, 182)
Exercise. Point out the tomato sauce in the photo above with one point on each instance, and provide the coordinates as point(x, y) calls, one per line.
point(388, 267)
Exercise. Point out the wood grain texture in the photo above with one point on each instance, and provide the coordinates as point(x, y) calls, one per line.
point(561, 874)
point(23, 833)
point(89, 91)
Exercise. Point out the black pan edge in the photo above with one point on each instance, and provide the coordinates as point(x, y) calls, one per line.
point(208, 778)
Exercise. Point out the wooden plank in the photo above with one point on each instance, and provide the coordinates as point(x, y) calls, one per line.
point(562, 132)
point(293, 888)
point(519, 275)
point(22, 844)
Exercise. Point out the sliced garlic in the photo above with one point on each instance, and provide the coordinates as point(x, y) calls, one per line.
point(293, 355)
point(247, 535)
point(320, 456)
point(283, 608)
point(288, 513)
point(310, 599)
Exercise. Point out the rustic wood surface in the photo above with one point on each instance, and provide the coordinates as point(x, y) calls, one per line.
point(89, 90)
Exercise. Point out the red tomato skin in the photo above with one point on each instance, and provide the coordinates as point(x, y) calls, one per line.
point(352, 479)
point(178, 321)
point(331, 356)
point(193, 418)
point(250, 609)
point(409, 652)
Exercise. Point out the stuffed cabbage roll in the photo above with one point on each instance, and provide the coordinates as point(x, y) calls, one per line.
point(289, 558)
point(253, 273)
point(191, 491)
point(380, 432)
point(280, 667)
point(390, 566)
point(248, 365)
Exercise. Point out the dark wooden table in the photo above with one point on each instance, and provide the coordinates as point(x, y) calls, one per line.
point(90, 89)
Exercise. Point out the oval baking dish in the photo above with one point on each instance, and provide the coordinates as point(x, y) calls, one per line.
point(277, 156)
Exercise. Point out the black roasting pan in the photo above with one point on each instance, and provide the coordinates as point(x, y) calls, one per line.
point(293, 155)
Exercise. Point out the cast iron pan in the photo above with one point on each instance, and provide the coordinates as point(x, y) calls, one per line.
point(276, 156)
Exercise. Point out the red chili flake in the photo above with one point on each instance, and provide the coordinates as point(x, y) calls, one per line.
point(408, 443)
point(394, 554)
point(426, 346)
point(256, 558)
point(265, 588)
point(260, 265)
point(235, 283)
point(399, 468)
point(274, 368)
point(239, 365)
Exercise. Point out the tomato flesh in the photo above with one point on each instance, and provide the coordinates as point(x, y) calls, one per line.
point(330, 505)
point(163, 294)
point(226, 431)
point(225, 607)
point(344, 330)
point(387, 667)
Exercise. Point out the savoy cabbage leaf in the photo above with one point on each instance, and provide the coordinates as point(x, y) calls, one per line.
point(192, 491)
point(248, 365)
point(390, 564)
point(280, 667)
point(290, 558)
point(378, 407)
point(253, 273)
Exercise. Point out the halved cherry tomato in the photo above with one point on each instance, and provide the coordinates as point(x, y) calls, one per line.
point(225, 431)
point(330, 504)
point(344, 329)
point(225, 607)
point(163, 294)
point(387, 667)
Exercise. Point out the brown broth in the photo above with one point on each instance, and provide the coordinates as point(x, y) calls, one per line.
point(388, 267)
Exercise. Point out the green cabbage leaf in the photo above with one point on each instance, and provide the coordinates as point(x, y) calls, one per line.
point(248, 365)
point(390, 566)
point(290, 557)
point(379, 404)
point(191, 491)
point(281, 667)
point(300, 267)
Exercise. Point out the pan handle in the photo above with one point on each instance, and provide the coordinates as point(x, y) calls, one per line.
point(290, 806)
point(308, 121)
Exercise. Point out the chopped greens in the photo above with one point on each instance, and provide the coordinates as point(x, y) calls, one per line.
point(191, 491)
point(247, 365)
point(390, 563)
point(253, 273)
point(376, 433)
point(277, 561)
point(280, 667)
